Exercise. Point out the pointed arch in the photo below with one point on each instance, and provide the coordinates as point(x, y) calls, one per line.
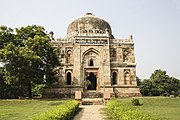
point(114, 78)
point(68, 78)
point(69, 56)
point(91, 62)
point(125, 55)
point(91, 50)
point(126, 76)
point(92, 81)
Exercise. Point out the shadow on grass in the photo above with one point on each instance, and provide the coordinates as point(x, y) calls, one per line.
point(76, 113)
point(137, 105)
point(106, 114)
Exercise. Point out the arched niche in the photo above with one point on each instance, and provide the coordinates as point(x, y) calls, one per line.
point(68, 78)
point(114, 78)
point(91, 57)
point(91, 62)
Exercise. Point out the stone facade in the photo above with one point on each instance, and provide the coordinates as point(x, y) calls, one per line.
point(93, 60)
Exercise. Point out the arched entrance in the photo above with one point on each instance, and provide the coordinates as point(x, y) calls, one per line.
point(68, 78)
point(114, 79)
point(91, 81)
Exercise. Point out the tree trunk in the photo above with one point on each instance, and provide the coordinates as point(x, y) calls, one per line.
point(30, 89)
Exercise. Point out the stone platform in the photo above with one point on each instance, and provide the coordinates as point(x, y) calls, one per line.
point(92, 101)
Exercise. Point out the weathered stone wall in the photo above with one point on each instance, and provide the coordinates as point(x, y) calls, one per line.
point(127, 91)
point(63, 92)
point(90, 38)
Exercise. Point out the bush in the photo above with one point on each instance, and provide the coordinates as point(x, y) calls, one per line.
point(65, 111)
point(37, 90)
point(119, 110)
point(135, 102)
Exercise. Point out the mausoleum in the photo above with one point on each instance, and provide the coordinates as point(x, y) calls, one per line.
point(94, 61)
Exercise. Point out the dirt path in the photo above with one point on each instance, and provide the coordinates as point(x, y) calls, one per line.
point(90, 112)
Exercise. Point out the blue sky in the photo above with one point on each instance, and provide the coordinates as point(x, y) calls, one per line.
point(155, 25)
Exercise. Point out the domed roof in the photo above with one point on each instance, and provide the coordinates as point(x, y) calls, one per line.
point(89, 23)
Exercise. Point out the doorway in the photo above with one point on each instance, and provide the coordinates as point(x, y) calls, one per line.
point(92, 81)
point(68, 78)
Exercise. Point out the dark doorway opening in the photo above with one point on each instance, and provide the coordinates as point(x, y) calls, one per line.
point(68, 77)
point(92, 81)
point(114, 80)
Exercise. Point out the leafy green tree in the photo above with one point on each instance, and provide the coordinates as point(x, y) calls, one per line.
point(160, 84)
point(161, 81)
point(2, 85)
point(6, 36)
point(174, 86)
point(49, 60)
point(146, 87)
point(18, 68)
point(158, 76)
point(28, 57)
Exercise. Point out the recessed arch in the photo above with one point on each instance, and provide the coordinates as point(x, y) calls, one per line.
point(91, 62)
point(126, 76)
point(68, 78)
point(91, 50)
point(114, 78)
point(92, 81)
point(125, 55)
point(69, 56)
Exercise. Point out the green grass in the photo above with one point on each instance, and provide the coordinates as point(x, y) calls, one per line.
point(164, 108)
point(24, 109)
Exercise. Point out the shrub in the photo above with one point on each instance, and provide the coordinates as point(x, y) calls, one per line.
point(135, 102)
point(37, 90)
point(64, 111)
point(119, 110)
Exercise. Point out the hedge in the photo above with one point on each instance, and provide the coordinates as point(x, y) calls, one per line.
point(119, 110)
point(64, 111)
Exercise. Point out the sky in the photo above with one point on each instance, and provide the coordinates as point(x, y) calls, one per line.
point(154, 24)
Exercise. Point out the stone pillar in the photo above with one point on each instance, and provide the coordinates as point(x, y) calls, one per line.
point(119, 55)
point(133, 73)
point(121, 76)
point(106, 66)
point(77, 64)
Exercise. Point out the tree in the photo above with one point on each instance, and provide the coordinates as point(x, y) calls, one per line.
point(1, 81)
point(146, 87)
point(6, 36)
point(159, 79)
point(28, 58)
point(49, 59)
point(173, 86)
point(160, 84)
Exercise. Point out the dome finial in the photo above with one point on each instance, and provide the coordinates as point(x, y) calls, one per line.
point(88, 13)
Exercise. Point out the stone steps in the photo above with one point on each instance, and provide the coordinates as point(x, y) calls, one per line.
point(92, 101)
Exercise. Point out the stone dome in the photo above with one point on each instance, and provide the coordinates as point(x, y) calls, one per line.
point(89, 24)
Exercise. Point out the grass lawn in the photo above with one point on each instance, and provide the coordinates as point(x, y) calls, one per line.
point(164, 108)
point(24, 109)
